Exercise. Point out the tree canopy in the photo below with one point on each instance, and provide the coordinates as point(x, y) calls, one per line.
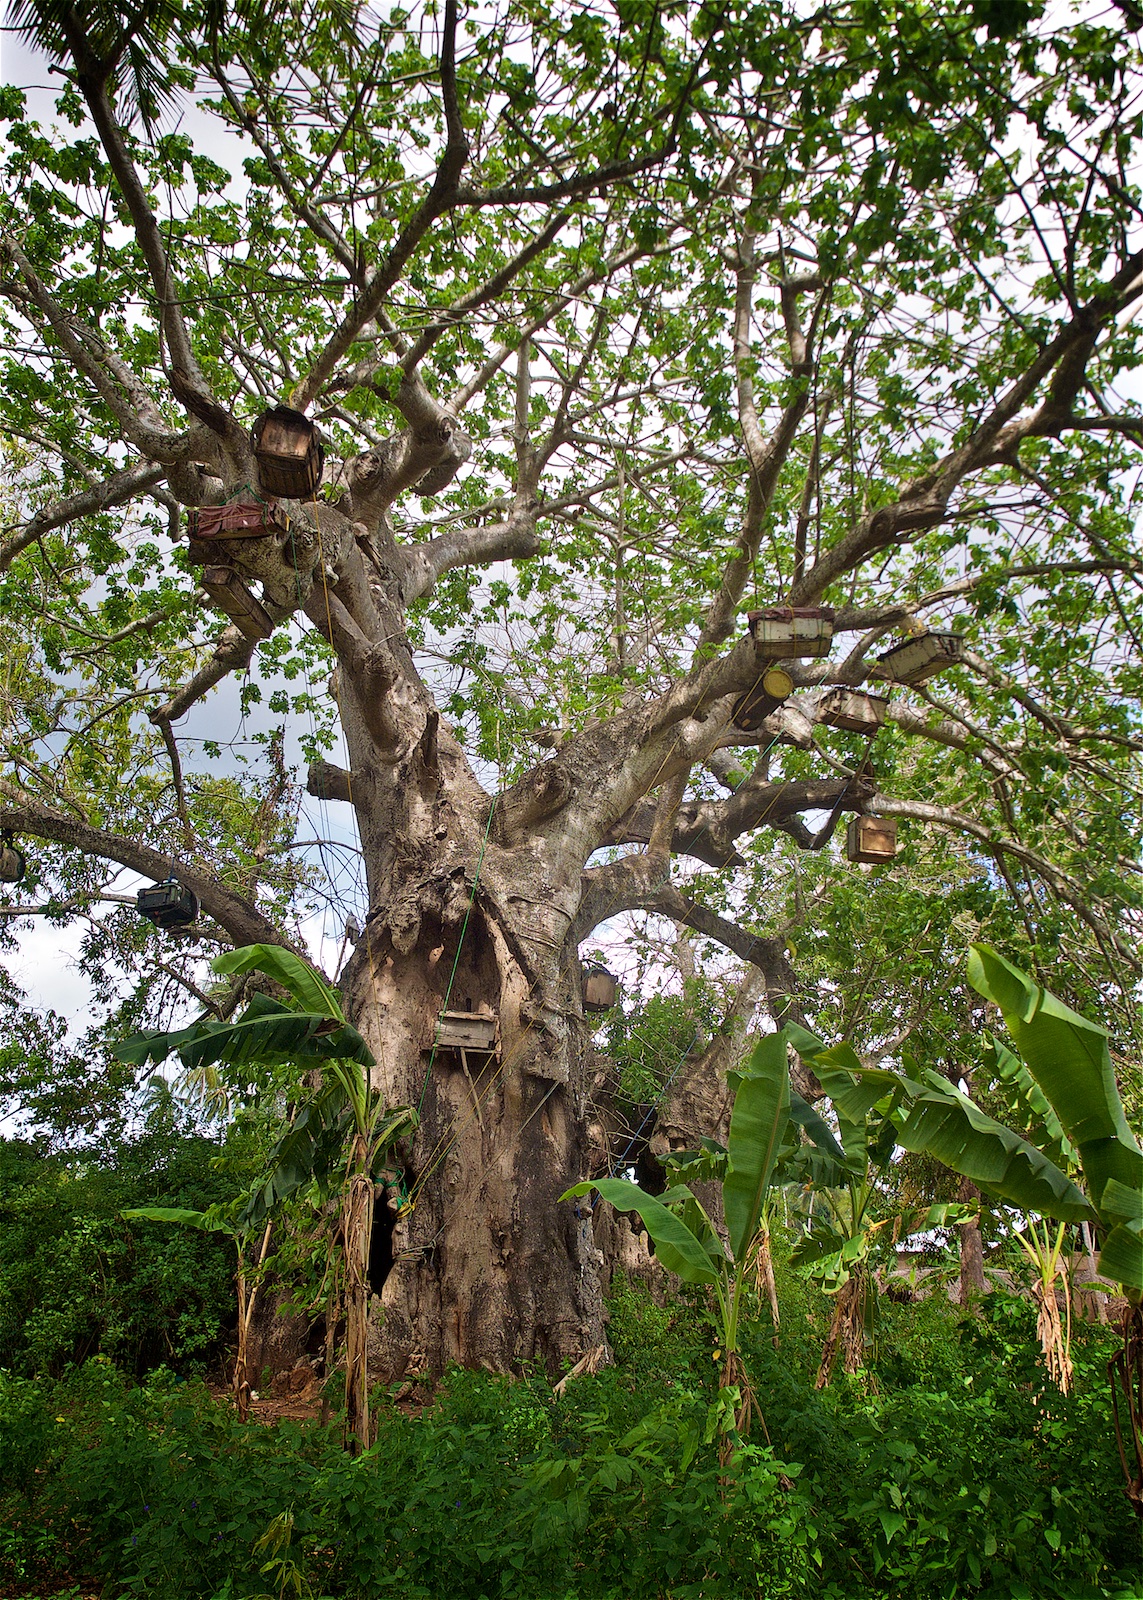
point(617, 321)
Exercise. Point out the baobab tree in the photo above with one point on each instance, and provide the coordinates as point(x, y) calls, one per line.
point(617, 325)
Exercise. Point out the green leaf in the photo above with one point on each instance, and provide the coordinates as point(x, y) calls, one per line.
point(204, 1221)
point(815, 1127)
point(1121, 1257)
point(1121, 1203)
point(757, 1125)
point(1069, 1058)
point(267, 1031)
point(945, 1124)
point(307, 986)
point(675, 1244)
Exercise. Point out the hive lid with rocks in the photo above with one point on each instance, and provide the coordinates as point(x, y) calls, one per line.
point(871, 839)
point(289, 453)
point(852, 710)
point(168, 905)
point(792, 631)
point(917, 660)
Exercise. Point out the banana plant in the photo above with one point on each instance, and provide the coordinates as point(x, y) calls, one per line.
point(843, 1232)
point(340, 1129)
point(687, 1242)
point(1068, 1058)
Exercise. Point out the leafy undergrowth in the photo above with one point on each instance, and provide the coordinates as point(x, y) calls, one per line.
point(949, 1472)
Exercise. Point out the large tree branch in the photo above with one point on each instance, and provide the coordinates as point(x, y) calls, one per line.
point(515, 539)
point(707, 829)
point(124, 395)
point(995, 441)
point(113, 491)
point(232, 653)
point(240, 917)
point(441, 194)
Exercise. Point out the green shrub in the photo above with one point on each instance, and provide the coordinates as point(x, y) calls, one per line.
point(76, 1281)
point(985, 1486)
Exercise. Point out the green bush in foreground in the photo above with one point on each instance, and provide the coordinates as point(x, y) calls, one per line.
point(987, 1485)
point(77, 1281)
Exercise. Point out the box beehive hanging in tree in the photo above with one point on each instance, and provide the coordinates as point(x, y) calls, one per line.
point(238, 519)
point(791, 631)
point(231, 596)
point(752, 708)
point(871, 839)
point(600, 989)
point(168, 905)
point(917, 660)
point(852, 710)
point(12, 863)
point(289, 453)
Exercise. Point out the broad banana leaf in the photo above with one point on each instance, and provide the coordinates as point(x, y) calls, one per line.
point(312, 1148)
point(205, 1221)
point(815, 1127)
point(757, 1125)
point(807, 1044)
point(944, 1123)
point(267, 1031)
point(308, 987)
point(675, 1244)
point(1069, 1058)
point(1010, 1069)
point(829, 1259)
point(1121, 1256)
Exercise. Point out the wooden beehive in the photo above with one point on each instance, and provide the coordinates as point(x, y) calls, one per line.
point(240, 519)
point(789, 631)
point(752, 708)
point(871, 839)
point(918, 660)
point(289, 453)
point(168, 905)
point(466, 1030)
point(12, 863)
point(231, 595)
point(600, 989)
point(851, 710)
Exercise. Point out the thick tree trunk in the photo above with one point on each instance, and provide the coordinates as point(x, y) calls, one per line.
point(487, 1268)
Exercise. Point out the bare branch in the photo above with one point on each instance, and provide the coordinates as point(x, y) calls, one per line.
point(438, 199)
point(1067, 887)
point(240, 917)
point(995, 441)
point(113, 491)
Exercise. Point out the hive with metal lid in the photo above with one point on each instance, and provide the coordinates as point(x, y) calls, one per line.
point(791, 631)
point(917, 660)
point(168, 905)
